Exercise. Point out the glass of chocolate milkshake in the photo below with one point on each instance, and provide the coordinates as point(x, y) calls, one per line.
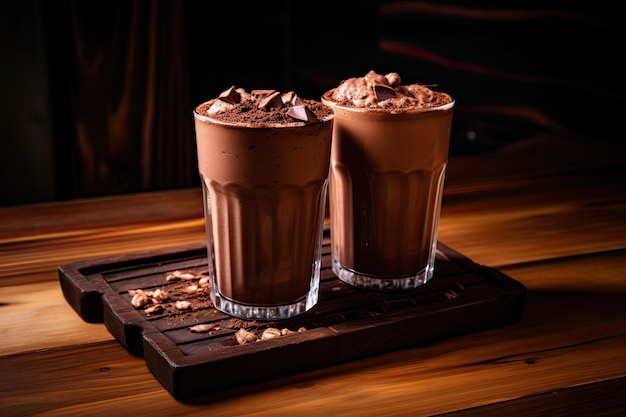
point(388, 161)
point(263, 159)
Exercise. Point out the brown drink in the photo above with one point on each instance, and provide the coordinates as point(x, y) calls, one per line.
point(389, 156)
point(263, 158)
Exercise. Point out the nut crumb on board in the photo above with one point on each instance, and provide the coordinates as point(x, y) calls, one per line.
point(187, 293)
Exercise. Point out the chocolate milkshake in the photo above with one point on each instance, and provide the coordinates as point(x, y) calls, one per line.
point(389, 156)
point(263, 158)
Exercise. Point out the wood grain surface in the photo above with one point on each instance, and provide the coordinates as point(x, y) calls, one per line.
point(557, 228)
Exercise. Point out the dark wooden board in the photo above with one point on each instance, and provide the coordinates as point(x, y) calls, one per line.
point(347, 323)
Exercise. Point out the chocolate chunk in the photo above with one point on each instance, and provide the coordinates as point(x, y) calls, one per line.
point(260, 94)
point(288, 97)
point(230, 96)
point(271, 101)
point(383, 91)
point(303, 113)
point(291, 98)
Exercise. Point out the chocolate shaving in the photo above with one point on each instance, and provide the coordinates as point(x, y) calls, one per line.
point(271, 101)
point(260, 94)
point(230, 96)
point(383, 91)
point(303, 113)
point(288, 97)
point(291, 98)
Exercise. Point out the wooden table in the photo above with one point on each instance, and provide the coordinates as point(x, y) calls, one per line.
point(552, 220)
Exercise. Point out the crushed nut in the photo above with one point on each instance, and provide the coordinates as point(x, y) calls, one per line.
point(191, 289)
point(205, 327)
point(158, 296)
point(157, 308)
point(270, 333)
point(182, 304)
point(244, 336)
point(140, 299)
point(185, 275)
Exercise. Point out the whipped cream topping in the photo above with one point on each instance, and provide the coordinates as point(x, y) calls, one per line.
point(385, 92)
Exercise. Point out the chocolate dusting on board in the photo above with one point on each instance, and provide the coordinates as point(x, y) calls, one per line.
point(186, 295)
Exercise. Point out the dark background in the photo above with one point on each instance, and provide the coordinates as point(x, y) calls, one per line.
point(97, 96)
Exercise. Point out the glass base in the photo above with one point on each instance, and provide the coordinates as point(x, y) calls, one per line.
point(378, 283)
point(269, 312)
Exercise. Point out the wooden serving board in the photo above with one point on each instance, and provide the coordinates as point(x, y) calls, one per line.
point(348, 323)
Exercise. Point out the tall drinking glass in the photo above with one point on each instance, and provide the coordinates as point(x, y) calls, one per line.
point(387, 174)
point(264, 185)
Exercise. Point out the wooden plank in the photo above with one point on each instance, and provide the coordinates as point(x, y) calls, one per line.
point(454, 374)
point(532, 220)
point(603, 398)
